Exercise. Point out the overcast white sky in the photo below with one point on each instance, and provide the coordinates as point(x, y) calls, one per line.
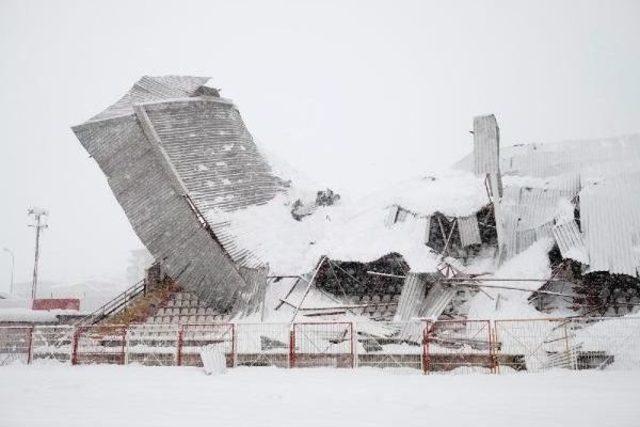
point(355, 94)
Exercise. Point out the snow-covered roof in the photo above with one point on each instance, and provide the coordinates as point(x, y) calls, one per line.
point(33, 316)
point(352, 229)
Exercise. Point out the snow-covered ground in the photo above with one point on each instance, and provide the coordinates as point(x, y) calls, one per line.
point(57, 395)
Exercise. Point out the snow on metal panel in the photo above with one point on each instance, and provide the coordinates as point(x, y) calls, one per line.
point(570, 242)
point(215, 157)
point(610, 220)
point(469, 230)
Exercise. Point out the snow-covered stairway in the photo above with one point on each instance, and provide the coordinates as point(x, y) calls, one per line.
point(145, 305)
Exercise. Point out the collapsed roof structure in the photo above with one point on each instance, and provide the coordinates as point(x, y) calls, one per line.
point(248, 237)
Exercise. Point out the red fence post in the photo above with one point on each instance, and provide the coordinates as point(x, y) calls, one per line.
point(292, 347)
point(426, 362)
point(493, 349)
point(351, 338)
point(233, 345)
point(124, 345)
point(180, 339)
point(29, 350)
point(74, 351)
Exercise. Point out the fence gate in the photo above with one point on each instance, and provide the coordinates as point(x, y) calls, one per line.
point(193, 337)
point(322, 344)
point(15, 344)
point(52, 343)
point(262, 344)
point(153, 345)
point(390, 344)
point(99, 344)
point(460, 345)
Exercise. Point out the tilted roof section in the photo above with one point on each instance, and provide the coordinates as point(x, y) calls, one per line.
point(171, 148)
point(149, 89)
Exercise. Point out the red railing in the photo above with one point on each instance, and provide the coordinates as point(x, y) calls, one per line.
point(322, 344)
point(442, 346)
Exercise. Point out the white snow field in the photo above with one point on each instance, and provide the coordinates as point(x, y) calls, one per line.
point(107, 395)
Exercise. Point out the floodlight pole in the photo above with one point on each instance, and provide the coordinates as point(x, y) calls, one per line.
point(38, 215)
point(13, 268)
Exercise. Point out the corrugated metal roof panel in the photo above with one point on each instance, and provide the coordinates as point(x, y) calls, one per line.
point(469, 230)
point(486, 149)
point(570, 242)
point(610, 220)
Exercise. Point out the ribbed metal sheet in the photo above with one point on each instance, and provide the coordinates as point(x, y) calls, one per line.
point(486, 148)
point(469, 230)
point(416, 302)
point(610, 220)
point(570, 242)
point(601, 156)
point(527, 213)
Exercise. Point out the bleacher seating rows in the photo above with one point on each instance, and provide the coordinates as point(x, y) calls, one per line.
point(184, 307)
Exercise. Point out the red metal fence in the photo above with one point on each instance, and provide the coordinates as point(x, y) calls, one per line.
point(99, 344)
point(458, 345)
point(531, 345)
point(322, 344)
point(192, 338)
point(15, 345)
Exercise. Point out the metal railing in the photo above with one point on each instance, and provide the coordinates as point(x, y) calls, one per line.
point(114, 305)
point(458, 346)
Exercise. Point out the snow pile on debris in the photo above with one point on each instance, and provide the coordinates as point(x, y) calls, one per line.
point(533, 263)
point(351, 230)
point(452, 193)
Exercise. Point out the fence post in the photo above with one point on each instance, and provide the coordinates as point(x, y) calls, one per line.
point(292, 347)
point(354, 356)
point(74, 351)
point(425, 348)
point(124, 345)
point(179, 345)
point(493, 349)
point(233, 345)
point(30, 349)
point(568, 348)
